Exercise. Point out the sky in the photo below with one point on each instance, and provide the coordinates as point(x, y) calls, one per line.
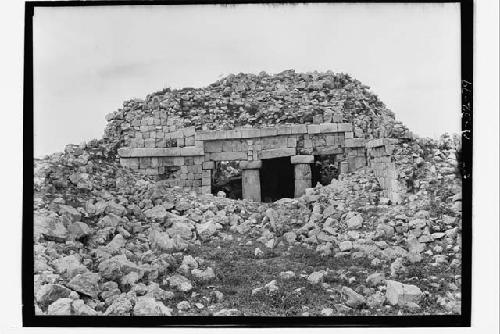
point(88, 60)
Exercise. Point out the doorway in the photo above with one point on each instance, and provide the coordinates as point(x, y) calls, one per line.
point(277, 179)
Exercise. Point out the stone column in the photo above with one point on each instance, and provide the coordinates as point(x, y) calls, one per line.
point(303, 175)
point(250, 180)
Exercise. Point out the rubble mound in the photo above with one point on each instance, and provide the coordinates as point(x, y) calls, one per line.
point(261, 100)
point(109, 241)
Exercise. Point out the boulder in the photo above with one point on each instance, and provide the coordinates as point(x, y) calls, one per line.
point(316, 277)
point(86, 283)
point(49, 293)
point(203, 275)
point(146, 306)
point(355, 222)
point(120, 306)
point(62, 306)
point(158, 213)
point(375, 279)
point(401, 294)
point(354, 299)
point(78, 230)
point(180, 283)
point(70, 213)
point(206, 230)
point(69, 265)
point(116, 267)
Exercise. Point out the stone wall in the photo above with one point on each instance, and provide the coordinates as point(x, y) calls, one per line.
point(191, 166)
point(380, 159)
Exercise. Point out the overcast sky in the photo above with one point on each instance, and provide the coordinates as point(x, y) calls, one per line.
point(88, 60)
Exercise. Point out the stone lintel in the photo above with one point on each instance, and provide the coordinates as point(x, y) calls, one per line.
point(276, 153)
point(228, 156)
point(253, 164)
point(302, 159)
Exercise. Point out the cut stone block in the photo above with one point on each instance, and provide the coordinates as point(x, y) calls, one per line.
point(313, 128)
point(302, 159)
point(302, 178)
point(228, 156)
point(250, 179)
point(208, 165)
point(255, 164)
point(276, 153)
point(268, 132)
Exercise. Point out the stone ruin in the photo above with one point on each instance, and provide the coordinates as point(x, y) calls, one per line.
point(179, 136)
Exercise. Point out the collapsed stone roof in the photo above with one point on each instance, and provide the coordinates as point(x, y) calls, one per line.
point(262, 100)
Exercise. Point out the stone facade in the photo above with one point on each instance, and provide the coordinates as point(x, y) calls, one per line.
point(191, 166)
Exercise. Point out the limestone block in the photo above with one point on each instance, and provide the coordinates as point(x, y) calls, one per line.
point(150, 143)
point(302, 159)
point(302, 171)
point(144, 162)
point(213, 146)
point(205, 135)
point(208, 165)
point(180, 142)
point(255, 164)
point(344, 167)
point(188, 132)
point(284, 130)
point(328, 127)
point(177, 134)
point(268, 132)
point(189, 141)
point(355, 142)
point(198, 143)
point(298, 129)
point(249, 133)
point(313, 128)
point(205, 189)
point(233, 134)
point(227, 156)
point(302, 178)
point(191, 151)
point(344, 127)
point(292, 142)
point(250, 179)
point(276, 153)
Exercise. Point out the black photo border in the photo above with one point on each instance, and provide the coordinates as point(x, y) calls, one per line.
point(28, 310)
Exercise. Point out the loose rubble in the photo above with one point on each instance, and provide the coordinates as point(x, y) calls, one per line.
point(109, 241)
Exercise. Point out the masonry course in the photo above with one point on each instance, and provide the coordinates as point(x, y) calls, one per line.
point(285, 115)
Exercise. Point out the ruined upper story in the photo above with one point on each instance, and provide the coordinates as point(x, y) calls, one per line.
point(179, 135)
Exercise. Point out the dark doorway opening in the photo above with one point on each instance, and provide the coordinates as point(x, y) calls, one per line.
point(324, 169)
point(226, 177)
point(276, 179)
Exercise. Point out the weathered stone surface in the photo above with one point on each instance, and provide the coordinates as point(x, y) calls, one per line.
point(302, 178)
point(354, 299)
point(180, 283)
point(316, 277)
point(251, 184)
point(302, 159)
point(401, 294)
point(255, 164)
point(49, 293)
point(146, 306)
point(116, 267)
point(86, 283)
point(61, 306)
point(276, 153)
